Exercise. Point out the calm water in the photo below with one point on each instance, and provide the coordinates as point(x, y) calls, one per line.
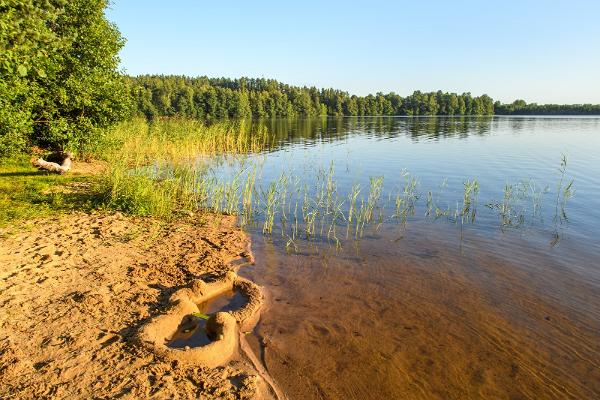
point(502, 305)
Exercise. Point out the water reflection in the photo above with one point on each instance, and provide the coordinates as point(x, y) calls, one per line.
point(426, 167)
point(329, 129)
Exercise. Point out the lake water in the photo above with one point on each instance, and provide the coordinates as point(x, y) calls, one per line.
point(474, 272)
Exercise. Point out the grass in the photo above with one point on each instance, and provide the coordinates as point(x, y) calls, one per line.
point(521, 202)
point(154, 169)
point(158, 168)
point(26, 193)
point(563, 192)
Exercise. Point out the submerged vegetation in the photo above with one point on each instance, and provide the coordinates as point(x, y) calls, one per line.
point(163, 168)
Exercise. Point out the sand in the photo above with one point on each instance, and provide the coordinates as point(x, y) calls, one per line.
point(76, 289)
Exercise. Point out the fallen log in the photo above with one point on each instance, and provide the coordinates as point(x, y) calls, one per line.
point(56, 168)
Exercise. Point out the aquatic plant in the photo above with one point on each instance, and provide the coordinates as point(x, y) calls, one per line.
point(563, 192)
point(291, 204)
point(270, 196)
point(247, 196)
point(406, 199)
point(375, 190)
point(159, 168)
point(469, 206)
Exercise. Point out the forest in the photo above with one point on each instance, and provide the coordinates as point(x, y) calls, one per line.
point(217, 98)
point(520, 107)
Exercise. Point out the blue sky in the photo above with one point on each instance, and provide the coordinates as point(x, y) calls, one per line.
point(541, 51)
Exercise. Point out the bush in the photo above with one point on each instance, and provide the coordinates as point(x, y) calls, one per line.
point(59, 84)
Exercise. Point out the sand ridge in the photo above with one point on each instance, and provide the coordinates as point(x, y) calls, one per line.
point(75, 290)
point(223, 326)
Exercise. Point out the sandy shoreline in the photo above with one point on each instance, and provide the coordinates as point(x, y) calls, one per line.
point(74, 291)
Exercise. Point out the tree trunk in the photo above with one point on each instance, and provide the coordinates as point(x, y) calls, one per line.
point(56, 168)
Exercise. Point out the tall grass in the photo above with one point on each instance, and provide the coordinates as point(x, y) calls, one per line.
point(178, 140)
point(157, 168)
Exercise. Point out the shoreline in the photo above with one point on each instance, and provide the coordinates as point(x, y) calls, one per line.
point(75, 290)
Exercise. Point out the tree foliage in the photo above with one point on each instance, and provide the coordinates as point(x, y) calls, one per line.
point(520, 107)
point(214, 98)
point(59, 83)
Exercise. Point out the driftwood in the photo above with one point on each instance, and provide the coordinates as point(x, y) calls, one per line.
point(64, 166)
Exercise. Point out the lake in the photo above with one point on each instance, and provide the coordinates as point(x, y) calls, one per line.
point(426, 258)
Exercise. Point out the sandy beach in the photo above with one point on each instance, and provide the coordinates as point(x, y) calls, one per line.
point(75, 290)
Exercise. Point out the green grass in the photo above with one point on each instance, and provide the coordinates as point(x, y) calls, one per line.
point(26, 193)
point(152, 171)
point(156, 169)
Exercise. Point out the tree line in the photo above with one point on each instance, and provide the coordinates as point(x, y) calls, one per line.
point(216, 98)
point(520, 107)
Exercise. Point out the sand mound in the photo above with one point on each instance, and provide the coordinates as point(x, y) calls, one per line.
point(223, 326)
point(76, 290)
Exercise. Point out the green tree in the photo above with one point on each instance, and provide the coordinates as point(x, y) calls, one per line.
point(259, 98)
point(59, 84)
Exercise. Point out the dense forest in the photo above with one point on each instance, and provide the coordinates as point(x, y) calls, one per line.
point(215, 98)
point(520, 107)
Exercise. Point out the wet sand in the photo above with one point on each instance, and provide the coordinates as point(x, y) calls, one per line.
point(422, 315)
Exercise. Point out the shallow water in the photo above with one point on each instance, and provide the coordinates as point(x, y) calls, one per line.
point(229, 301)
point(438, 308)
point(441, 154)
point(192, 331)
point(431, 316)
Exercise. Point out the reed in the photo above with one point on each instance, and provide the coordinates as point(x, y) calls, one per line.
point(352, 198)
point(406, 199)
point(375, 190)
point(270, 196)
point(155, 167)
point(165, 168)
point(247, 196)
point(470, 196)
point(563, 192)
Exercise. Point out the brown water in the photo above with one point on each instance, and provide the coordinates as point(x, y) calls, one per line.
point(423, 314)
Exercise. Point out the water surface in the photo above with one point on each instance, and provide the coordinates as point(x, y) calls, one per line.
point(435, 308)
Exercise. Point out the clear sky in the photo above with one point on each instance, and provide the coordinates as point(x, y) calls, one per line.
point(541, 51)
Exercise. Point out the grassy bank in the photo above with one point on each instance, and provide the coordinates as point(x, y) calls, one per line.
point(155, 168)
point(147, 169)
point(26, 193)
